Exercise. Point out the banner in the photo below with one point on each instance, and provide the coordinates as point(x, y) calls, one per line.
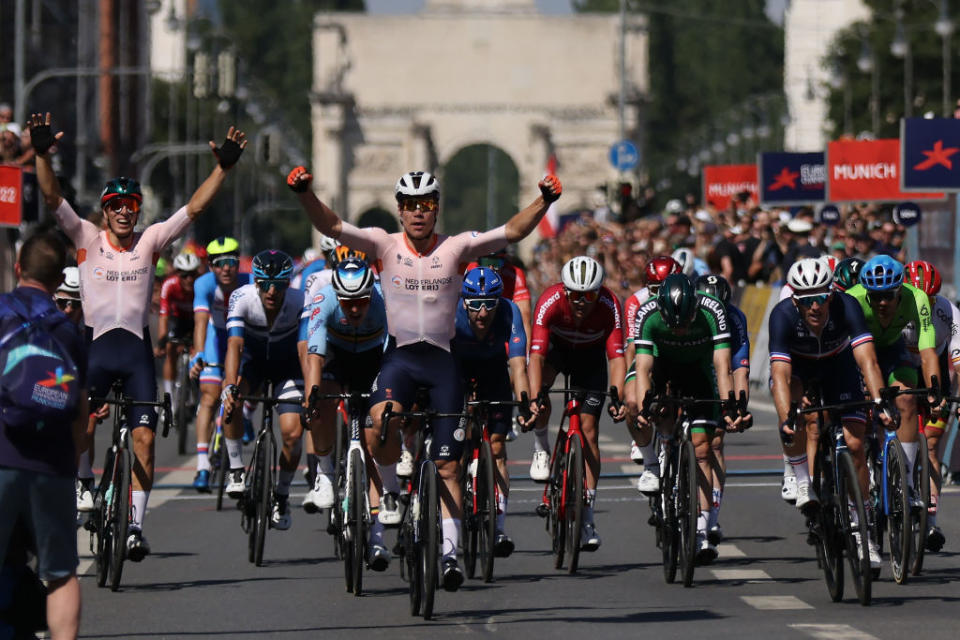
point(930, 150)
point(722, 182)
point(792, 178)
point(11, 183)
point(867, 171)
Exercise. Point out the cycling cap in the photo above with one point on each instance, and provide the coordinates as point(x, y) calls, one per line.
point(186, 262)
point(582, 274)
point(924, 276)
point(809, 274)
point(272, 265)
point(677, 301)
point(685, 258)
point(71, 280)
point(353, 278)
point(847, 273)
point(222, 245)
point(327, 243)
point(417, 184)
point(121, 187)
point(716, 286)
point(881, 273)
point(344, 252)
point(481, 282)
point(659, 268)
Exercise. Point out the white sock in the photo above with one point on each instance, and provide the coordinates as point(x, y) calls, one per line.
point(799, 466)
point(501, 510)
point(168, 387)
point(85, 466)
point(717, 498)
point(325, 464)
point(702, 523)
point(910, 450)
point(650, 460)
point(787, 468)
point(139, 504)
point(284, 478)
point(235, 452)
point(451, 537)
point(203, 459)
point(542, 440)
point(588, 507)
point(388, 474)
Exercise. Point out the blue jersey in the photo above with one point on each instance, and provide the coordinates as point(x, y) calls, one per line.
point(247, 319)
point(313, 267)
point(208, 297)
point(739, 339)
point(505, 339)
point(329, 326)
point(790, 338)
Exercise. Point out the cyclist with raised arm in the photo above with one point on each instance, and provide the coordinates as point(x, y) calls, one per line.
point(422, 273)
point(211, 293)
point(578, 331)
point(266, 342)
point(490, 340)
point(946, 321)
point(117, 266)
point(346, 338)
point(176, 314)
point(683, 341)
point(820, 336)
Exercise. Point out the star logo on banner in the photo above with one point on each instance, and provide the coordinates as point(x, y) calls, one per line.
point(785, 178)
point(937, 156)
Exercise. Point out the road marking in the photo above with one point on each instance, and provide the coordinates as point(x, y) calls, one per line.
point(833, 631)
point(748, 575)
point(727, 550)
point(775, 603)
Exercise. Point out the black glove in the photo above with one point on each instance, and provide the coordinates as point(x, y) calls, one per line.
point(41, 138)
point(228, 154)
point(787, 438)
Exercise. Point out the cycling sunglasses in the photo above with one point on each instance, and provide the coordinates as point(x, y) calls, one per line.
point(225, 261)
point(63, 303)
point(493, 263)
point(809, 301)
point(188, 274)
point(428, 205)
point(264, 284)
point(881, 296)
point(476, 304)
point(117, 204)
point(347, 303)
point(586, 296)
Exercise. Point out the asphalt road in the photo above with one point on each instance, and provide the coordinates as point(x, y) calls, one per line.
point(766, 584)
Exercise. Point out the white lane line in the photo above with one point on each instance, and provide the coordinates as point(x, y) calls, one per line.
point(833, 631)
point(728, 550)
point(748, 575)
point(775, 603)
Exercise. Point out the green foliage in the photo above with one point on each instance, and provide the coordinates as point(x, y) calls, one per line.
point(465, 186)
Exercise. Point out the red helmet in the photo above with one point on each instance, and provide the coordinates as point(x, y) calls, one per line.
point(923, 276)
point(659, 268)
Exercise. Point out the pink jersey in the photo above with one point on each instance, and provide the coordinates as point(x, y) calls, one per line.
point(421, 290)
point(116, 284)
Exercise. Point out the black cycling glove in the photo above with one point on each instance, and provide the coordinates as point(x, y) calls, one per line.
point(228, 154)
point(41, 138)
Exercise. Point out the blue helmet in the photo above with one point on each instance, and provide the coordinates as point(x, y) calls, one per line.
point(881, 273)
point(481, 282)
point(272, 264)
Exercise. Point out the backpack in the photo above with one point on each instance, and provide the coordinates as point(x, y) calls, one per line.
point(38, 378)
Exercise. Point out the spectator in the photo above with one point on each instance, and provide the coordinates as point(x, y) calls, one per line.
point(6, 113)
point(9, 143)
point(799, 245)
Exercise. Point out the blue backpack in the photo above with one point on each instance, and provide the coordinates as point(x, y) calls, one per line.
point(38, 379)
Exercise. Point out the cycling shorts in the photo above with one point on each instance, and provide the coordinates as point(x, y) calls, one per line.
point(493, 384)
point(214, 355)
point(180, 328)
point(285, 376)
point(354, 371)
point(839, 379)
point(586, 369)
point(121, 355)
point(424, 365)
point(895, 363)
point(689, 380)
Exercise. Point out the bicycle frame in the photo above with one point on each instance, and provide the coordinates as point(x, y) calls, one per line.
point(571, 415)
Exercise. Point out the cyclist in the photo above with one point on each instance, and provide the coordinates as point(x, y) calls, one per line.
point(692, 266)
point(266, 342)
point(889, 304)
point(514, 282)
point(176, 304)
point(314, 262)
point(655, 273)
point(490, 340)
point(424, 275)
point(821, 335)
point(346, 338)
point(116, 276)
point(577, 330)
point(212, 292)
point(683, 340)
point(946, 322)
point(847, 273)
point(718, 287)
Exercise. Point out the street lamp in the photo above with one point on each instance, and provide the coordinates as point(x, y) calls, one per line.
point(900, 48)
point(867, 63)
point(944, 28)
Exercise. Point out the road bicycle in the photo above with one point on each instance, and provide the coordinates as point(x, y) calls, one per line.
point(185, 393)
point(219, 461)
point(111, 515)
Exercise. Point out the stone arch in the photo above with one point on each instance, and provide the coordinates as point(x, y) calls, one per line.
point(467, 184)
point(379, 217)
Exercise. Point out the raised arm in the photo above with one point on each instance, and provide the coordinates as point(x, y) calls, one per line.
point(526, 220)
point(227, 156)
point(322, 217)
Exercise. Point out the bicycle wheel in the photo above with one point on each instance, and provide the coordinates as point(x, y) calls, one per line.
point(687, 509)
point(898, 512)
point(486, 510)
point(120, 518)
point(429, 534)
point(335, 517)
point(667, 526)
point(357, 519)
point(102, 545)
point(470, 539)
point(556, 524)
point(182, 400)
point(265, 498)
point(574, 496)
point(411, 550)
point(251, 498)
point(918, 517)
point(826, 531)
point(858, 554)
point(220, 463)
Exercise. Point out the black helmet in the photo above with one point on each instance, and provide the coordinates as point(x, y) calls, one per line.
point(677, 301)
point(716, 286)
point(272, 265)
point(847, 273)
point(121, 187)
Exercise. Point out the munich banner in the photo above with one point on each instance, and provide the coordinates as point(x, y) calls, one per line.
point(930, 153)
point(10, 196)
point(792, 178)
point(723, 182)
point(867, 170)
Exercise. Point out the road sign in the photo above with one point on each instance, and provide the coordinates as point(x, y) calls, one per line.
point(624, 155)
point(10, 196)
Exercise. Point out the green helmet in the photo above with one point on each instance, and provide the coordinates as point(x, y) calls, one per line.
point(121, 187)
point(222, 245)
point(847, 273)
point(677, 301)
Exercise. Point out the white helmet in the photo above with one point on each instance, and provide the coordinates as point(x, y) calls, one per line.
point(415, 184)
point(582, 274)
point(309, 255)
point(327, 244)
point(685, 258)
point(186, 262)
point(809, 274)
point(71, 280)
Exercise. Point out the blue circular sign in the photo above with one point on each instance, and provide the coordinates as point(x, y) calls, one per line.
point(906, 214)
point(624, 155)
point(830, 215)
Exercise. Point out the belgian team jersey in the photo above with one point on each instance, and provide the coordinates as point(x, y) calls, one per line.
point(913, 307)
point(708, 332)
point(329, 326)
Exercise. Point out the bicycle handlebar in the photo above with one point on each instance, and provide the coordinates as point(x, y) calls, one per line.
point(124, 402)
